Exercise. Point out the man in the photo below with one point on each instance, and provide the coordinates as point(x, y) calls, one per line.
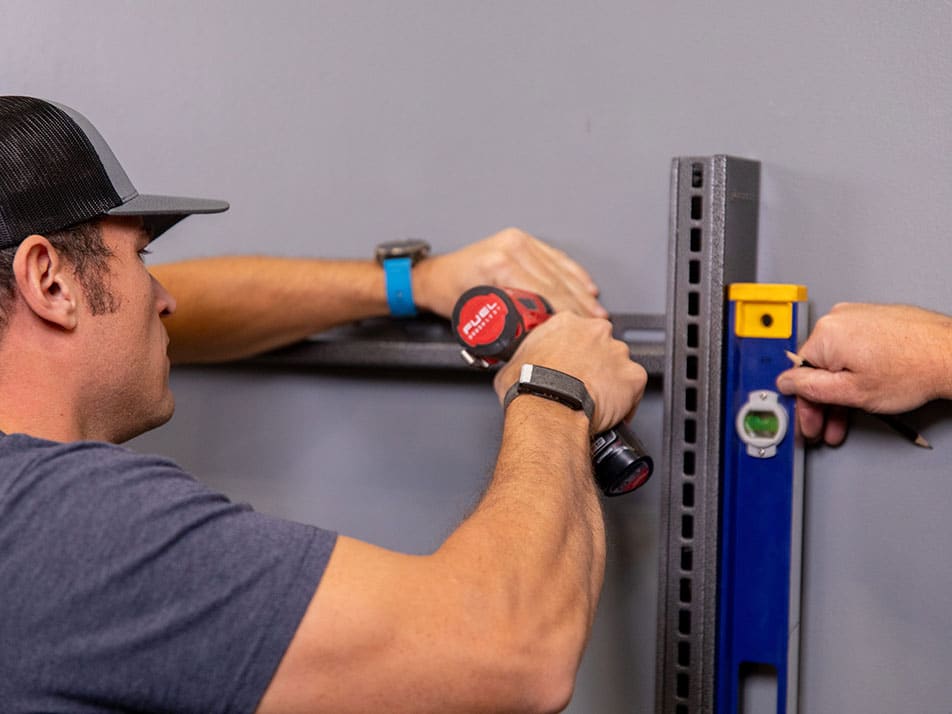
point(130, 587)
point(885, 359)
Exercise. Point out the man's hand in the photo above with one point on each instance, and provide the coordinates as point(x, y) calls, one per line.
point(511, 258)
point(880, 358)
point(584, 348)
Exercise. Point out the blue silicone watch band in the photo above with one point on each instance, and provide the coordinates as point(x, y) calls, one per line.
point(399, 287)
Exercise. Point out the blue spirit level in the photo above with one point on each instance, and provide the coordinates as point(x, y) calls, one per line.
point(758, 611)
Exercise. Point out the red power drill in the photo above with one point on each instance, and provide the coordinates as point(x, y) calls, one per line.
point(490, 323)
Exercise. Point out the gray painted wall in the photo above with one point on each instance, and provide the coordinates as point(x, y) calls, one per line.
point(333, 125)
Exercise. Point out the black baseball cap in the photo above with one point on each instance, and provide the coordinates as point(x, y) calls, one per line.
point(56, 171)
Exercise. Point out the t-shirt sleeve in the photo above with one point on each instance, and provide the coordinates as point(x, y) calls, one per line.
point(133, 587)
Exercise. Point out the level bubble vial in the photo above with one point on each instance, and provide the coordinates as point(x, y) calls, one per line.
point(762, 423)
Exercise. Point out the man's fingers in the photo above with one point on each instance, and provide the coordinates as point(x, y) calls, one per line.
point(837, 425)
point(567, 265)
point(581, 287)
point(562, 288)
point(822, 422)
point(581, 304)
point(810, 418)
point(816, 420)
point(577, 284)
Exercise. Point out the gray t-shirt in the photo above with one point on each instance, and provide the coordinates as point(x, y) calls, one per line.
point(126, 585)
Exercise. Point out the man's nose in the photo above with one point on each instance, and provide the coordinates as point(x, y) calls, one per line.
point(163, 299)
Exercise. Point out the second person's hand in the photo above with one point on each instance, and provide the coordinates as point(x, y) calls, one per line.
point(884, 359)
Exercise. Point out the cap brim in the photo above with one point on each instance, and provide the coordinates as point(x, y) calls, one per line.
point(163, 212)
point(151, 205)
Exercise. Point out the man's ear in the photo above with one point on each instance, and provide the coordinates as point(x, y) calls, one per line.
point(46, 282)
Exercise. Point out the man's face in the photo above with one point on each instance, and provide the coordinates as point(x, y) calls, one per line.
point(128, 362)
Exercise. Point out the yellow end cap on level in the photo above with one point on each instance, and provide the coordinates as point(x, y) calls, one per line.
point(764, 309)
point(767, 292)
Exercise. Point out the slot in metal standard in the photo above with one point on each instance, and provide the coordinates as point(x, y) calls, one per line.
point(712, 242)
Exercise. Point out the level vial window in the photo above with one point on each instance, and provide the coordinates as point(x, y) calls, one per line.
point(762, 424)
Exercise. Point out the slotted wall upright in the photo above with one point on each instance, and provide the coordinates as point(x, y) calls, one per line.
point(713, 242)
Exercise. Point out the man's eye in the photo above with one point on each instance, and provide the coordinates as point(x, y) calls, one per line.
point(144, 252)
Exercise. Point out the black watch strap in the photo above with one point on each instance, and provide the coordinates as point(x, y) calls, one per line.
point(551, 384)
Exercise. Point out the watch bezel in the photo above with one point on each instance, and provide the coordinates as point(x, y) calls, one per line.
point(413, 248)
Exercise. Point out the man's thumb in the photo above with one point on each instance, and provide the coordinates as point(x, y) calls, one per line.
point(820, 386)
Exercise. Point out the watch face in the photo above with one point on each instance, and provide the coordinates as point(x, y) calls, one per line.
point(412, 248)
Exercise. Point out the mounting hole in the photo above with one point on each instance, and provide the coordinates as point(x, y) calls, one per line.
point(766, 319)
point(697, 175)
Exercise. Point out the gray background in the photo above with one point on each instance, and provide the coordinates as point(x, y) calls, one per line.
point(333, 125)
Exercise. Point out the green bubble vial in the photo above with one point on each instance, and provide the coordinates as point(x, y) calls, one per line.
point(762, 424)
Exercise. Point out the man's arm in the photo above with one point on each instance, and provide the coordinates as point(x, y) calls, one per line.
point(497, 618)
point(880, 358)
point(234, 307)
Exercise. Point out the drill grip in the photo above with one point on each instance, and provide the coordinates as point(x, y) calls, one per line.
point(490, 323)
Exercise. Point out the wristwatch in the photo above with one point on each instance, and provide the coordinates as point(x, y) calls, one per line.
point(397, 258)
point(551, 384)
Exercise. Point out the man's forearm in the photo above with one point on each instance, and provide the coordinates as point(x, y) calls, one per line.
point(233, 307)
point(535, 546)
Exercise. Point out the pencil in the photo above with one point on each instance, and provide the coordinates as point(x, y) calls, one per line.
point(900, 427)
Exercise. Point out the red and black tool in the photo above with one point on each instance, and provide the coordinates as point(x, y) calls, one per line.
point(490, 323)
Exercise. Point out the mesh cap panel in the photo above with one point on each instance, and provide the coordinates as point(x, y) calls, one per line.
point(50, 174)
